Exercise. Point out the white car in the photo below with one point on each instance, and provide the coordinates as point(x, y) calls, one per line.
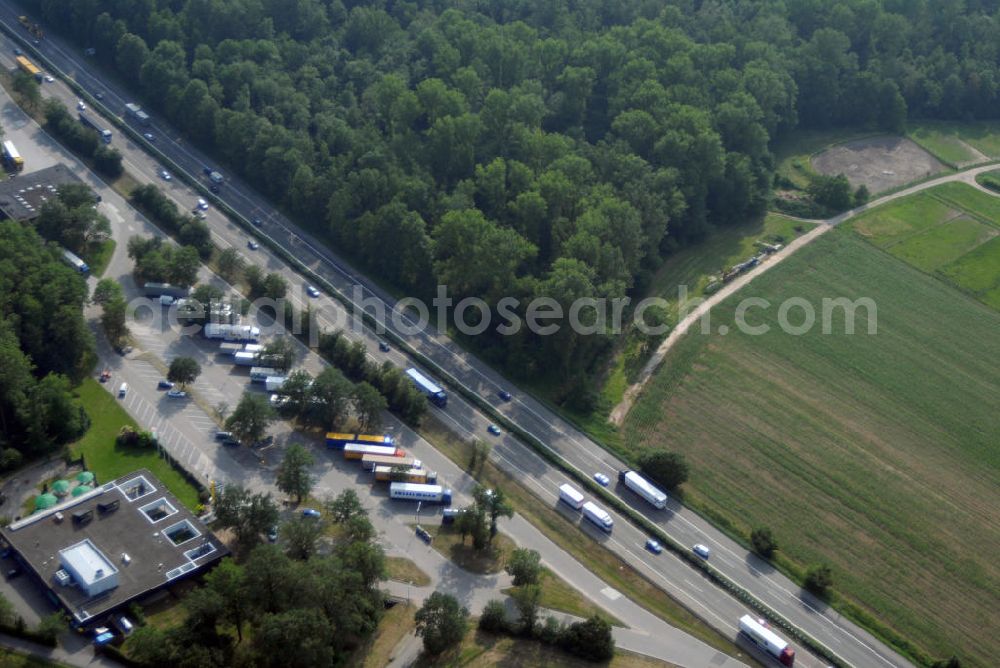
point(48, 78)
point(165, 175)
point(80, 105)
point(311, 291)
point(701, 551)
point(602, 479)
point(177, 394)
point(202, 204)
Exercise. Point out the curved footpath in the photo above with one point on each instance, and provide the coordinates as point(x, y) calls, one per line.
point(632, 392)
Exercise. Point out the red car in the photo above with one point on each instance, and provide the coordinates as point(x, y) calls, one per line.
point(105, 375)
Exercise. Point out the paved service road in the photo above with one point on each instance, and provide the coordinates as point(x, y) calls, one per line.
point(853, 644)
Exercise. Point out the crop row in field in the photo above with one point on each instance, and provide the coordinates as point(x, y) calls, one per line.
point(873, 453)
point(952, 231)
point(958, 143)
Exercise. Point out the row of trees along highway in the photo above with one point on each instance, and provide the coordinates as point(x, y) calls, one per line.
point(518, 148)
point(45, 346)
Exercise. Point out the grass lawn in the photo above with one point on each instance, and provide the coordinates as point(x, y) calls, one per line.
point(404, 570)
point(990, 180)
point(11, 659)
point(377, 652)
point(984, 206)
point(98, 256)
point(598, 560)
point(943, 143)
point(951, 231)
point(875, 454)
point(449, 542)
point(945, 139)
point(480, 649)
point(108, 460)
point(557, 595)
point(794, 152)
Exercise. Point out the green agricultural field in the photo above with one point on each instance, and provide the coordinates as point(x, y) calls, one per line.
point(957, 143)
point(944, 145)
point(109, 461)
point(692, 267)
point(990, 180)
point(951, 231)
point(876, 453)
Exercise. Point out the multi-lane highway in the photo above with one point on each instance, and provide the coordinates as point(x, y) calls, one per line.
point(852, 644)
point(186, 428)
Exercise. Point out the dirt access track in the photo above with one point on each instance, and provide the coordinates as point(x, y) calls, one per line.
point(880, 163)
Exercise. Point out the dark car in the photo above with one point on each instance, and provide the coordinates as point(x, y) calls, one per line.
point(13, 573)
point(423, 535)
point(164, 385)
point(311, 513)
point(207, 170)
point(18, 52)
point(504, 394)
point(272, 534)
point(383, 346)
point(258, 222)
point(214, 188)
point(253, 245)
point(99, 95)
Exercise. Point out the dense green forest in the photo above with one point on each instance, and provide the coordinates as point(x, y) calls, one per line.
point(515, 148)
point(45, 346)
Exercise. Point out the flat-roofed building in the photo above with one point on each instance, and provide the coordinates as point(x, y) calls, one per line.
point(104, 549)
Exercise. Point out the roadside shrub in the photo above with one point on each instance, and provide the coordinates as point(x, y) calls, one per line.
point(10, 459)
point(494, 618)
point(818, 580)
point(763, 542)
point(550, 632)
point(590, 640)
point(668, 469)
point(126, 436)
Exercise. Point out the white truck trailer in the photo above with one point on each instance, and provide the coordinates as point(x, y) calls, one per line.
point(598, 516)
point(274, 383)
point(408, 491)
point(571, 496)
point(643, 488)
point(259, 374)
point(240, 333)
point(767, 640)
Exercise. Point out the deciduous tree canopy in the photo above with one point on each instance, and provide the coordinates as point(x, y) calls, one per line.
point(523, 149)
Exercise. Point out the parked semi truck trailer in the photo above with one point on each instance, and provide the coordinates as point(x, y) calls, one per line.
point(406, 491)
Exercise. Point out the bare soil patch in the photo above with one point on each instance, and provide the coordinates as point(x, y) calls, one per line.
point(880, 163)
